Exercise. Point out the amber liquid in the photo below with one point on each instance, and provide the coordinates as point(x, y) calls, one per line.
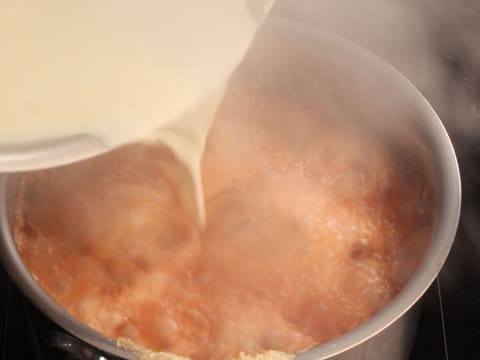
point(313, 227)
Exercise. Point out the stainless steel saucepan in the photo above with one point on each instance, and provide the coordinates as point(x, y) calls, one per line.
point(355, 86)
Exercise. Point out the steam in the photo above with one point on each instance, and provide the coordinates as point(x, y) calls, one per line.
point(436, 45)
point(422, 38)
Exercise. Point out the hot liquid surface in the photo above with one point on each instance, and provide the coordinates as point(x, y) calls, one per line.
point(312, 228)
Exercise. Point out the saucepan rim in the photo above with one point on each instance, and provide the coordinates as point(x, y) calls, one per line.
point(434, 258)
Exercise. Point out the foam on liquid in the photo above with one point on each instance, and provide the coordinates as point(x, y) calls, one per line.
point(121, 70)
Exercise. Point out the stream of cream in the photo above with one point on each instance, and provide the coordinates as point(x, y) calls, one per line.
point(122, 70)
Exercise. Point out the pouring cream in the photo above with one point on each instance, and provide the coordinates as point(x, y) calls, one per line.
point(122, 71)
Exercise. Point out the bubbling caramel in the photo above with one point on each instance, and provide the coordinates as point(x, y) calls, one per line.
point(312, 227)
